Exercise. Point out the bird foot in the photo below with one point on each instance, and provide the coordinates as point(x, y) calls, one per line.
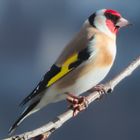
point(100, 88)
point(77, 103)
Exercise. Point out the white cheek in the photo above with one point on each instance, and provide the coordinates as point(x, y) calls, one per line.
point(100, 23)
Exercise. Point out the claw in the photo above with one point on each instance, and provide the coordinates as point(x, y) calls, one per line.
point(101, 89)
point(77, 103)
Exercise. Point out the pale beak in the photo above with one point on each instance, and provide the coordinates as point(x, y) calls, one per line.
point(122, 23)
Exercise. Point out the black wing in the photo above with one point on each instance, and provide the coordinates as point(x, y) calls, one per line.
point(42, 84)
point(54, 71)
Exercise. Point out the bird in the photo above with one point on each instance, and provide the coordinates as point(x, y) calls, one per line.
point(83, 64)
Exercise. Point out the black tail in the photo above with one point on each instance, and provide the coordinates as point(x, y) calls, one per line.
point(22, 117)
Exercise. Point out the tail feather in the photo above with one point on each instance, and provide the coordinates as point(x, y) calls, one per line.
point(28, 111)
point(25, 101)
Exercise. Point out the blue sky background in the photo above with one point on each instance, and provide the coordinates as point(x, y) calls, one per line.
point(32, 35)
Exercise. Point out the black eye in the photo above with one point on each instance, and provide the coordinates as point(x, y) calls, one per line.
point(113, 18)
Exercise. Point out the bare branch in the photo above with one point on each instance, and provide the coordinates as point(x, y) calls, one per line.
point(43, 132)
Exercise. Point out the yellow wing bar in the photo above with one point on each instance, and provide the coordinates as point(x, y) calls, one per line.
point(64, 70)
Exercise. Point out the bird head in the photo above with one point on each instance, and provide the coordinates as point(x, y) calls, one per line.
point(107, 21)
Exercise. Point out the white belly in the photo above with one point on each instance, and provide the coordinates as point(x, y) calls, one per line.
point(87, 81)
point(82, 84)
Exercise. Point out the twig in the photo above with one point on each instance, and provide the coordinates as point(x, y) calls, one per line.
point(43, 132)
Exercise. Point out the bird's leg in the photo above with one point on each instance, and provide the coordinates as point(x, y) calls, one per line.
point(77, 103)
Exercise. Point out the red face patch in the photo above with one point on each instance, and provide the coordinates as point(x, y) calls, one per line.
point(112, 17)
point(113, 12)
point(111, 26)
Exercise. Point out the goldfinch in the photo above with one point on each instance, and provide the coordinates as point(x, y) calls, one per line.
point(83, 63)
